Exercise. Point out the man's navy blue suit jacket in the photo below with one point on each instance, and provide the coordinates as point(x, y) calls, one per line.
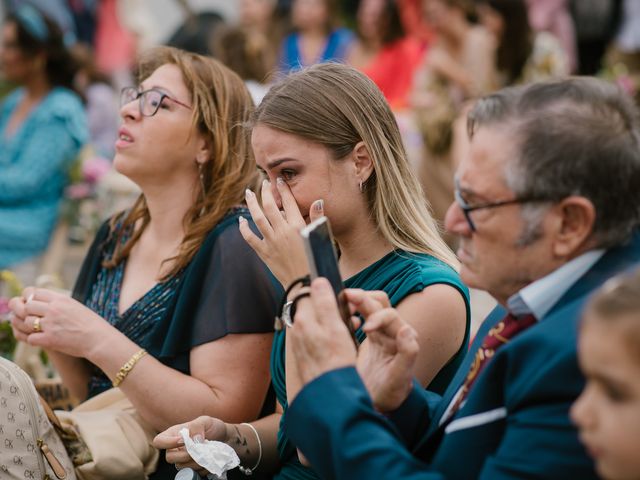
point(514, 425)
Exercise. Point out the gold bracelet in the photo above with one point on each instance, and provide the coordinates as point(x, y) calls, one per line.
point(127, 367)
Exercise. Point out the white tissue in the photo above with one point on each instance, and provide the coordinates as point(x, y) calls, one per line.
point(216, 457)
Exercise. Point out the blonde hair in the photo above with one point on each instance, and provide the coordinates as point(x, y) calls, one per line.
point(337, 106)
point(221, 107)
point(617, 305)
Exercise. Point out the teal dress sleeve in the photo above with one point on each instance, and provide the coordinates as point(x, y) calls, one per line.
point(398, 274)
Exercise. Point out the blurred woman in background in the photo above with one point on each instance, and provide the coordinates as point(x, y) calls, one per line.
point(42, 129)
point(382, 50)
point(101, 101)
point(238, 50)
point(522, 55)
point(317, 37)
point(553, 16)
point(262, 34)
point(458, 66)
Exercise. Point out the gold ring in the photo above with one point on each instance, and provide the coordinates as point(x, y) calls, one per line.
point(36, 325)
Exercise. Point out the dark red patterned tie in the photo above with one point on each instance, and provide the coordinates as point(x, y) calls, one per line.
point(501, 333)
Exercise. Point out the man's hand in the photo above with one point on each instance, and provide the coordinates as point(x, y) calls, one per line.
point(320, 340)
point(385, 361)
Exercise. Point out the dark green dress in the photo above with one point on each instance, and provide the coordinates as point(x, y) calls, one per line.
point(399, 274)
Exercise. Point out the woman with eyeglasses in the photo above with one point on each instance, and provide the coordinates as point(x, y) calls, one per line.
point(171, 305)
point(42, 128)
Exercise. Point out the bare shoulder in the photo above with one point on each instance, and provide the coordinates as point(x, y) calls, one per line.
point(439, 299)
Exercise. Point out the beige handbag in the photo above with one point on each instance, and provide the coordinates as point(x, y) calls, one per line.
point(30, 449)
point(107, 439)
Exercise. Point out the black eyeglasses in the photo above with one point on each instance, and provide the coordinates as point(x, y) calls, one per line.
point(467, 209)
point(150, 100)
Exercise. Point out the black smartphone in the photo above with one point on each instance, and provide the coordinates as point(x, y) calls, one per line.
point(323, 262)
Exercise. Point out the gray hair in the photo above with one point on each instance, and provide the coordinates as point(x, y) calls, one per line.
point(576, 136)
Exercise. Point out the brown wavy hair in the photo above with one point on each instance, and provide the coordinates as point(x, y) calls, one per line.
point(221, 108)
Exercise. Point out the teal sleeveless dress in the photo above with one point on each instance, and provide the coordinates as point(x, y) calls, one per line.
point(399, 274)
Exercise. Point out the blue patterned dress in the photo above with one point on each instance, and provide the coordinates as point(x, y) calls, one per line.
point(138, 320)
point(34, 165)
point(335, 50)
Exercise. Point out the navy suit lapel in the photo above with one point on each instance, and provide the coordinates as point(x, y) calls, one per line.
point(494, 317)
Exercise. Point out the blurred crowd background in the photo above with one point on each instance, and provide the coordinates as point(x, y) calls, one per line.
point(430, 58)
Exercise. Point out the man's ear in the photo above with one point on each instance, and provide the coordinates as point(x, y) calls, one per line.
point(576, 218)
point(362, 161)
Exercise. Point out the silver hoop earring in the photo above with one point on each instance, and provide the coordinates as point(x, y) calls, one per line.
point(361, 186)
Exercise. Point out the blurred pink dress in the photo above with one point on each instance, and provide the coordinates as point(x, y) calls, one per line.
point(553, 16)
point(115, 46)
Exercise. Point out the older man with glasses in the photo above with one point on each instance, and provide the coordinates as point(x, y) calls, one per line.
point(547, 209)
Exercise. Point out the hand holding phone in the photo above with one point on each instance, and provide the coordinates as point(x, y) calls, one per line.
point(323, 262)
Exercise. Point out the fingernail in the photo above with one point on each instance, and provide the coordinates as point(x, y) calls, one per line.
point(266, 184)
point(241, 219)
point(318, 205)
point(198, 438)
point(279, 181)
point(249, 194)
point(29, 298)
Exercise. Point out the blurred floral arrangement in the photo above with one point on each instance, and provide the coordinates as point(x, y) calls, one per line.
point(628, 81)
point(11, 287)
point(80, 209)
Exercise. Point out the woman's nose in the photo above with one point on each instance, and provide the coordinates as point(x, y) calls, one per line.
point(130, 109)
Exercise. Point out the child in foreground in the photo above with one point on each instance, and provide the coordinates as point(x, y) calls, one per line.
point(607, 412)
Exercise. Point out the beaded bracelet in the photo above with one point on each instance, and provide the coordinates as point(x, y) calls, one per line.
point(127, 367)
point(246, 470)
